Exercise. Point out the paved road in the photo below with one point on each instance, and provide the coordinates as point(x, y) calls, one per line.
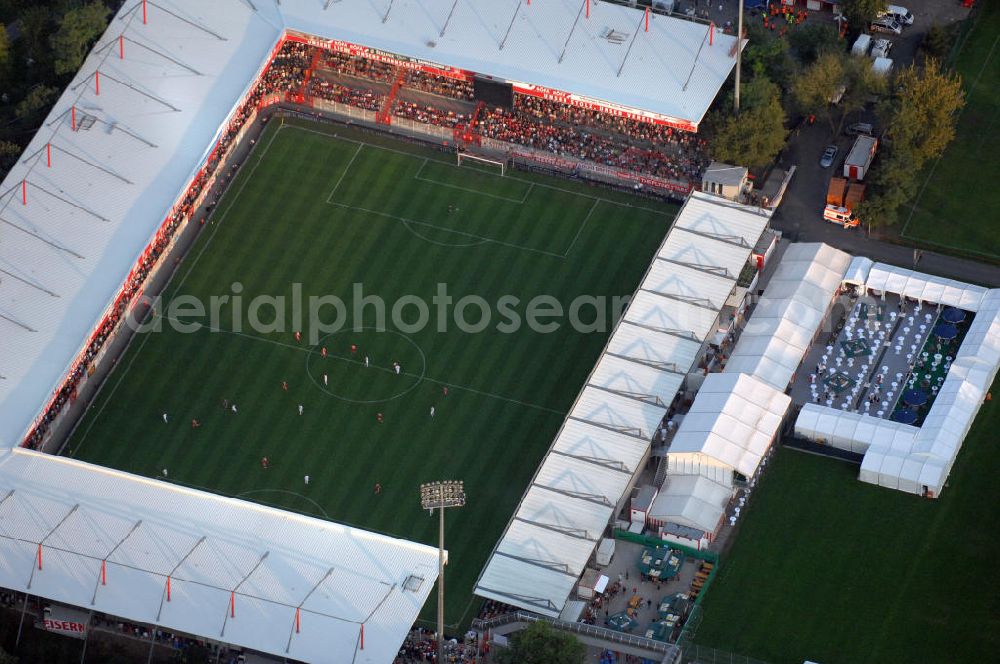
point(800, 216)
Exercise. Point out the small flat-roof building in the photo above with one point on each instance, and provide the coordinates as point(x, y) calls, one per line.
point(725, 180)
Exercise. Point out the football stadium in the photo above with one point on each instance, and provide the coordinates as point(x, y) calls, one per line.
point(245, 150)
point(272, 270)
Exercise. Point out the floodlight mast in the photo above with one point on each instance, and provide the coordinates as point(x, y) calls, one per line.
point(441, 495)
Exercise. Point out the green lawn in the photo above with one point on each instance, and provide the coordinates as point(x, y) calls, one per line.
point(830, 569)
point(327, 213)
point(957, 208)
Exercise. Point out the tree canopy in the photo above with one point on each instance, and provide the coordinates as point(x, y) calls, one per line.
point(4, 46)
point(767, 55)
point(813, 90)
point(920, 118)
point(757, 134)
point(924, 109)
point(539, 643)
point(810, 40)
point(39, 98)
point(78, 29)
point(861, 12)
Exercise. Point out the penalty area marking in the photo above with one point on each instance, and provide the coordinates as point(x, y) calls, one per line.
point(345, 139)
point(531, 186)
point(516, 201)
point(344, 174)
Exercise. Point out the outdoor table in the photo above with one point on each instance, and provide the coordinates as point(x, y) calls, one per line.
point(953, 315)
point(915, 397)
point(945, 331)
point(621, 622)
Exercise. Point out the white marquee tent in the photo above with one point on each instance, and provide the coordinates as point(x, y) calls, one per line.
point(238, 571)
point(789, 314)
point(858, 271)
point(924, 287)
point(904, 457)
point(854, 432)
point(695, 501)
point(731, 424)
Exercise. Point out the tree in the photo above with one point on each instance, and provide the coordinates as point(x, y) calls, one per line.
point(892, 183)
point(924, 110)
point(77, 31)
point(937, 41)
point(38, 98)
point(541, 644)
point(860, 13)
point(7, 658)
point(767, 55)
point(862, 83)
point(757, 134)
point(9, 152)
point(4, 46)
point(813, 90)
point(35, 23)
point(810, 40)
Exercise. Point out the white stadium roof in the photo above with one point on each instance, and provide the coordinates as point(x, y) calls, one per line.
point(670, 70)
point(606, 436)
point(65, 255)
point(212, 548)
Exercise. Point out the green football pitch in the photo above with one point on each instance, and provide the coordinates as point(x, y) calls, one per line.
point(323, 210)
point(829, 569)
point(956, 207)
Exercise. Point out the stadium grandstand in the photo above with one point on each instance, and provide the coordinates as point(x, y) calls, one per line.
point(193, 562)
point(661, 348)
point(138, 148)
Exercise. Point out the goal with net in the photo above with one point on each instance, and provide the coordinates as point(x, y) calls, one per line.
point(484, 163)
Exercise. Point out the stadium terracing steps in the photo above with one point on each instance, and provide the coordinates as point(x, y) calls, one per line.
point(300, 94)
point(467, 133)
point(384, 116)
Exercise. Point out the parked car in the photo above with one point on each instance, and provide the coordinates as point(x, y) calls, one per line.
point(901, 15)
point(856, 128)
point(886, 25)
point(829, 154)
point(881, 48)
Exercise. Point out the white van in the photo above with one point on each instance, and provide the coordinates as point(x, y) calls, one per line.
point(901, 14)
point(861, 45)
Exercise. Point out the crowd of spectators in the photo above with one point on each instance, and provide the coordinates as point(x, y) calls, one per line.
point(429, 114)
point(332, 91)
point(547, 125)
point(181, 643)
point(285, 73)
point(443, 86)
point(352, 65)
point(421, 646)
point(592, 144)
